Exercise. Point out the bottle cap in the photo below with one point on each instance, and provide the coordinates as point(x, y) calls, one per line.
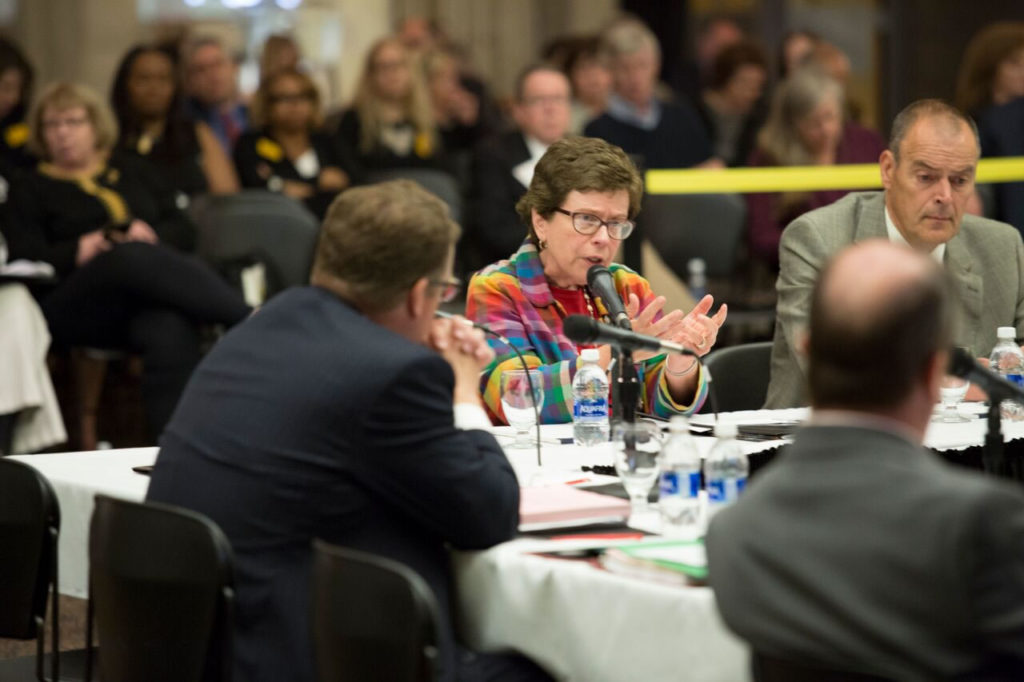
point(726, 429)
point(1006, 333)
point(696, 266)
point(590, 355)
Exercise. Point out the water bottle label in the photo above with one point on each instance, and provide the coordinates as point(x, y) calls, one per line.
point(593, 410)
point(725, 490)
point(1016, 378)
point(673, 484)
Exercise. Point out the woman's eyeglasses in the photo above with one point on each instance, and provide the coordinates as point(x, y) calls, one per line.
point(449, 288)
point(588, 224)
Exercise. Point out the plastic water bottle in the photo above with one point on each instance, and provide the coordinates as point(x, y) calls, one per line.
point(590, 401)
point(679, 484)
point(1008, 360)
point(727, 469)
point(697, 281)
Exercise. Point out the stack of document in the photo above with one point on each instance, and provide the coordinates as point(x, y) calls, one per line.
point(681, 562)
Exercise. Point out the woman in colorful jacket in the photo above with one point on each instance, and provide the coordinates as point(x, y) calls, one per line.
point(580, 206)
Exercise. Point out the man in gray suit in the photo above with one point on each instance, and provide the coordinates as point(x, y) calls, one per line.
point(928, 176)
point(858, 549)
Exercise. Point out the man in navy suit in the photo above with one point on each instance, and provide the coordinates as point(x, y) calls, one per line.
point(345, 411)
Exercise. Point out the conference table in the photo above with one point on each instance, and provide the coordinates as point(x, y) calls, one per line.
point(577, 620)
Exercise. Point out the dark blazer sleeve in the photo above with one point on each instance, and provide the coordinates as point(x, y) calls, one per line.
point(499, 231)
point(456, 484)
point(246, 161)
point(26, 229)
point(171, 223)
point(347, 139)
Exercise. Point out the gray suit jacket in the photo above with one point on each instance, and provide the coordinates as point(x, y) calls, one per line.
point(860, 550)
point(985, 260)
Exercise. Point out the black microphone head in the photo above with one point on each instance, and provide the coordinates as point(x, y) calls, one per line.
point(596, 271)
point(960, 362)
point(580, 328)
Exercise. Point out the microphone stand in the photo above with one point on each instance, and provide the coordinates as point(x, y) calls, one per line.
point(993, 457)
point(627, 385)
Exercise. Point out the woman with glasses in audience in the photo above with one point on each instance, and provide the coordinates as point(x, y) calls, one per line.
point(581, 204)
point(115, 236)
point(150, 108)
point(390, 124)
point(287, 152)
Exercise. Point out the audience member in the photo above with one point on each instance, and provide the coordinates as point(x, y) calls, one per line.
point(211, 84)
point(504, 166)
point(805, 128)
point(591, 80)
point(663, 134)
point(286, 152)
point(928, 176)
point(1002, 134)
point(280, 53)
point(581, 204)
point(858, 549)
point(360, 446)
point(152, 123)
point(793, 51)
point(390, 124)
point(992, 70)
point(714, 33)
point(834, 62)
point(16, 77)
point(460, 118)
point(114, 235)
point(731, 104)
point(30, 418)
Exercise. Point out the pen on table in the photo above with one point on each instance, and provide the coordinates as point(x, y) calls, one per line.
point(577, 481)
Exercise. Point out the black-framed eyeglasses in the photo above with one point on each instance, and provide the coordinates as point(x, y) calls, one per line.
point(588, 223)
point(449, 288)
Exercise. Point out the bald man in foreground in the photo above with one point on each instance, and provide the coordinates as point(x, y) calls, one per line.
point(858, 549)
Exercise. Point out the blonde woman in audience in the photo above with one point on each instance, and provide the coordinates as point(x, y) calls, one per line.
point(390, 124)
point(114, 235)
point(149, 104)
point(805, 127)
point(287, 152)
point(992, 71)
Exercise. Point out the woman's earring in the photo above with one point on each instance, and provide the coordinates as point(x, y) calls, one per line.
point(541, 245)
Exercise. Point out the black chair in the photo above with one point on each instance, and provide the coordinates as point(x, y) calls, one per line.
point(707, 226)
point(29, 528)
point(767, 668)
point(254, 223)
point(739, 377)
point(438, 182)
point(373, 618)
point(160, 594)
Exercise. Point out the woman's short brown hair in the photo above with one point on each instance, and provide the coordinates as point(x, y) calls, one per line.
point(259, 108)
point(379, 240)
point(64, 96)
point(583, 164)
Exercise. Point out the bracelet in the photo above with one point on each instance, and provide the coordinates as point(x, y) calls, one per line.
point(686, 371)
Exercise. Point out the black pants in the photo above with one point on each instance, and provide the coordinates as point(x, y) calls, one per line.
point(147, 299)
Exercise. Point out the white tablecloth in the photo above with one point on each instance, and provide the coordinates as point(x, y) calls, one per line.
point(579, 621)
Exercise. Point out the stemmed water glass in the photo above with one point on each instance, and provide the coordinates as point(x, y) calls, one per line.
point(518, 402)
point(951, 391)
point(636, 448)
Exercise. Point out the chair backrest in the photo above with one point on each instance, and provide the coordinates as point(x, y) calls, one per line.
point(739, 377)
point(442, 184)
point(685, 226)
point(160, 593)
point(275, 228)
point(767, 668)
point(29, 526)
point(373, 618)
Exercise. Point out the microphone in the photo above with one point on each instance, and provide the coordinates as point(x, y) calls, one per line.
point(962, 365)
point(476, 325)
point(583, 329)
point(601, 284)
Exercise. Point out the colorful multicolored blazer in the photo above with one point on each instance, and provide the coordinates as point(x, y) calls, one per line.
point(512, 297)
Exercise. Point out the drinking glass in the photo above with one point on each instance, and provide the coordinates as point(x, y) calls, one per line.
point(636, 448)
point(518, 401)
point(951, 391)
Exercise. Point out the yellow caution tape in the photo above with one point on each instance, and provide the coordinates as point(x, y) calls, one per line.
point(802, 178)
